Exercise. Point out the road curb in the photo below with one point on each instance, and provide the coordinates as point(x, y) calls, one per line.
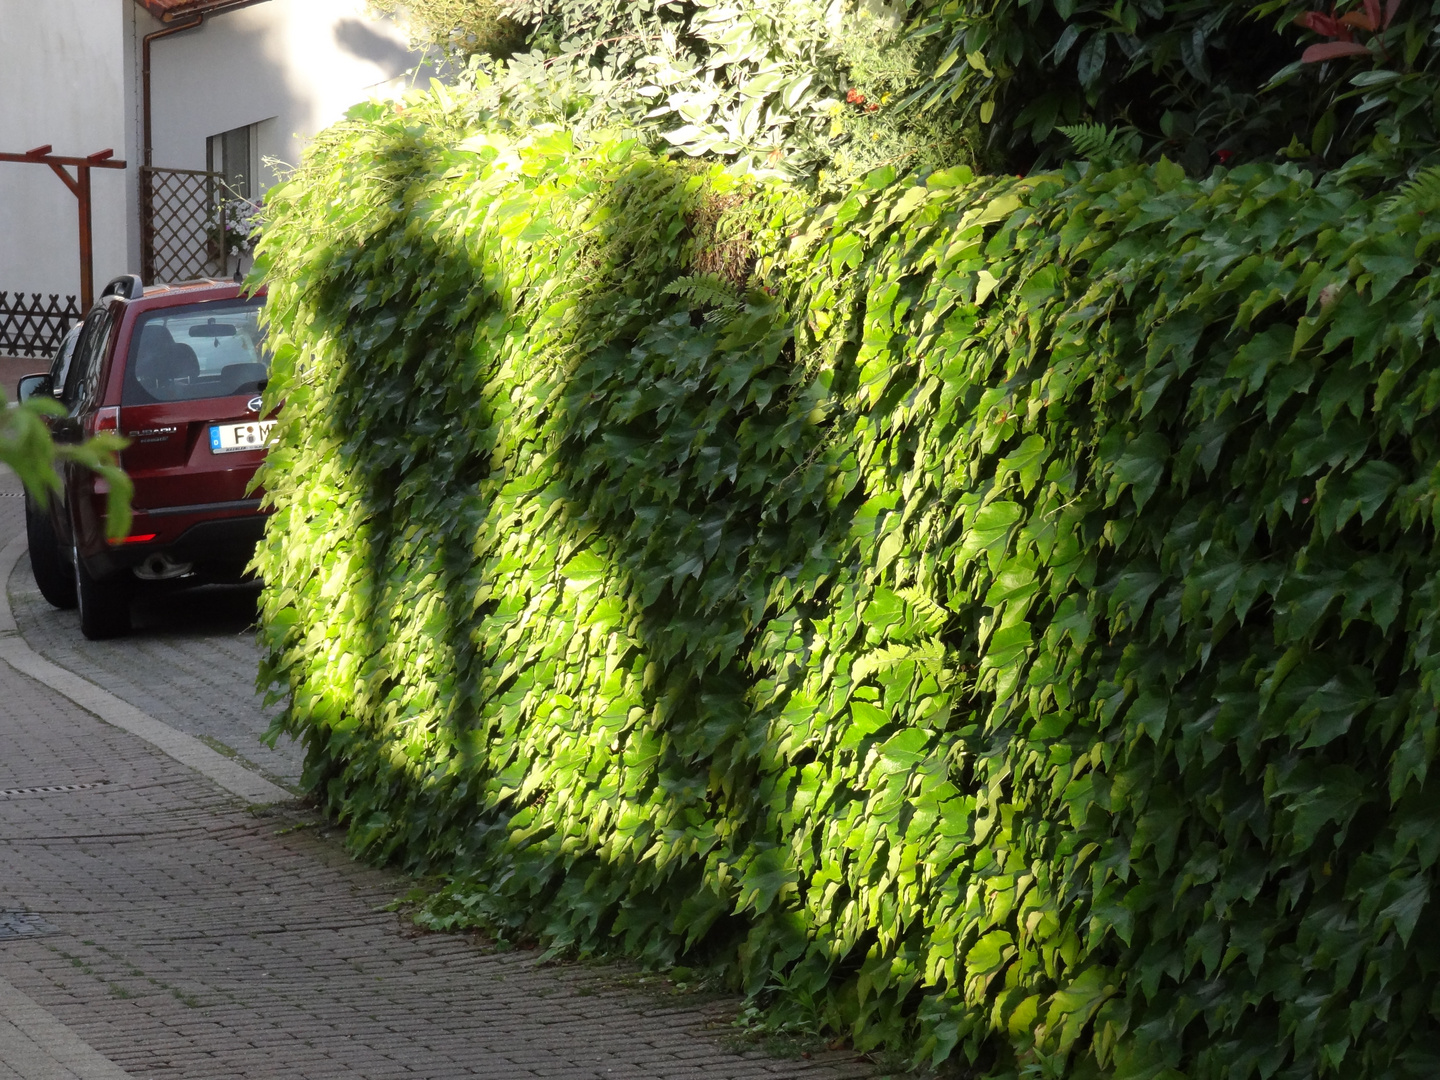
point(36, 1046)
point(186, 749)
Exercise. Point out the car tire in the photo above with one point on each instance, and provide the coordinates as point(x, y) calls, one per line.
point(104, 605)
point(52, 573)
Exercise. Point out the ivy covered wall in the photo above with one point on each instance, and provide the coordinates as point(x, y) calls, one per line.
point(990, 617)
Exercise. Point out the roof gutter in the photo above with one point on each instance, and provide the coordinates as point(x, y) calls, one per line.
point(192, 7)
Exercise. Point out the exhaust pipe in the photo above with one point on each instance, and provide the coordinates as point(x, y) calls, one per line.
point(160, 567)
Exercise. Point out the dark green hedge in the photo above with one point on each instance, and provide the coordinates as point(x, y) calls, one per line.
point(998, 621)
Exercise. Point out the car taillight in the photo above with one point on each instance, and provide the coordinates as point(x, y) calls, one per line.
point(136, 538)
point(106, 419)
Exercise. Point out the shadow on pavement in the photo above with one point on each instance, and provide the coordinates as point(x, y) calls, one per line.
point(203, 609)
point(190, 661)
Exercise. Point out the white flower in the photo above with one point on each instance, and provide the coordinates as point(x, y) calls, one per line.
point(242, 219)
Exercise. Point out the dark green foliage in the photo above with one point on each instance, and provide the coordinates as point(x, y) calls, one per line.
point(1198, 80)
point(1004, 625)
point(825, 93)
point(808, 90)
point(1186, 75)
point(1376, 111)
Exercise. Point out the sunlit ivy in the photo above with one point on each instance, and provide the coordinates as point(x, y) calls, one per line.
point(993, 617)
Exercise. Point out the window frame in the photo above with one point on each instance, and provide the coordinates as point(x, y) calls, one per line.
point(82, 381)
point(210, 308)
point(216, 160)
point(64, 355)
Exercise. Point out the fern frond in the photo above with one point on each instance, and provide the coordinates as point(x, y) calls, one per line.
point(929, 656)
point(1102, 144)
point(1090, 140)
point(706, 291)
point(931, 615)
point(1421, 194)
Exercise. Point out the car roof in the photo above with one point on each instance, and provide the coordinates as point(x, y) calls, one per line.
point(194, 285)
point(193, 291)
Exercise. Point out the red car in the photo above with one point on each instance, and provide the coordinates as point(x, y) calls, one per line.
point(178, 370)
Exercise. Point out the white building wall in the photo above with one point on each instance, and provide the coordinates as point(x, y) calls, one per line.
point(292, 66)
point(63, 82)
point(70, 75)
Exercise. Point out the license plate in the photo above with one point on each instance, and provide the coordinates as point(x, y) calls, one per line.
point(229, 438)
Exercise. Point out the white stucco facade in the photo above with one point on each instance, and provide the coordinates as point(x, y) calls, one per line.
point(294, 66)
point(63, 79)
point(70, 75)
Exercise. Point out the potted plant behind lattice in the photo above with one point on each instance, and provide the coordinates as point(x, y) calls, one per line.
point(233, 235)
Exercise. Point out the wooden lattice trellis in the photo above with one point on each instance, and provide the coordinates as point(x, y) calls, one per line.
point(182, 228)
point(34, 327)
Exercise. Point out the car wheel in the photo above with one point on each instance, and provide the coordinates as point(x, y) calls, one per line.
point(52, 575)
point(104, 605)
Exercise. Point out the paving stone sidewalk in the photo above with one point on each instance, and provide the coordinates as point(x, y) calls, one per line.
point(183, 935)
point(201, 644)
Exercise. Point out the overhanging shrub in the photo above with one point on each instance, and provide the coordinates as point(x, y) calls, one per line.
point(998, 621)
point(803, 89)
point(1198, 81)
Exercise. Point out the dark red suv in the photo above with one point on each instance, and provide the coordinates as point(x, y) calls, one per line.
point(178, 370)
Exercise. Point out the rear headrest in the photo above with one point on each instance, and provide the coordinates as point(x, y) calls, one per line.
point(163, 360)
point(183, 363)
point(155, 339)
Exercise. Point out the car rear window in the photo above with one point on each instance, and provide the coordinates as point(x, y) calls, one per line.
point(198, 351)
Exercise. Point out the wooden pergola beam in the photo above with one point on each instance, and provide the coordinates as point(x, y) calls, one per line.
point(79, 185)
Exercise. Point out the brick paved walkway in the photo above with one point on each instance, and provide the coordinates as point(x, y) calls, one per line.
point(182, 935)
point(203, 643)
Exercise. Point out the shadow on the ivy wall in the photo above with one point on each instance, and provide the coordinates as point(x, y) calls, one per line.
point(593, 558)
point(616, 661)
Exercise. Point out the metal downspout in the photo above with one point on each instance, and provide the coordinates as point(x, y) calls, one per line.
point(148, 148)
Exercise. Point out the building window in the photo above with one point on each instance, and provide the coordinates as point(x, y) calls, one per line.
point(231, 154)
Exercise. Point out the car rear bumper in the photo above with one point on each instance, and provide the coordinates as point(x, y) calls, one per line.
point(216, 546)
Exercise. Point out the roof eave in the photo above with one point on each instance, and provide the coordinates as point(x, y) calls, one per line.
point(169, 11)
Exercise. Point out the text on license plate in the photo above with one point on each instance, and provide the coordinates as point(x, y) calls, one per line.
point(228, 438)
